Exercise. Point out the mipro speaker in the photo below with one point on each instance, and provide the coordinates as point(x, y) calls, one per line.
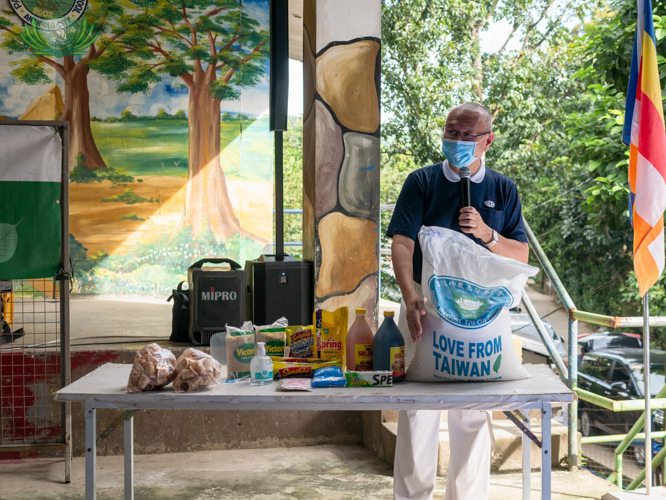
point(279, 64)
point(217, 299)
point(280, 288)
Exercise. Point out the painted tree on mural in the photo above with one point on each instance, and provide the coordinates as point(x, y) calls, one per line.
point(33, 70)
point(215, 49)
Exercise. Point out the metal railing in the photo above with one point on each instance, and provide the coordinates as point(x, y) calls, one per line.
point(631, 405)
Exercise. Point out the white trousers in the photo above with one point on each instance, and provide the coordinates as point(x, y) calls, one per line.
point(417, 447)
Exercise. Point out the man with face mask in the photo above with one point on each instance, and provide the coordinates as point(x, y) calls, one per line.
point(431, 196)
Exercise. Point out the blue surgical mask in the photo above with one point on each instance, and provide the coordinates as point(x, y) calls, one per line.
point(459, 153)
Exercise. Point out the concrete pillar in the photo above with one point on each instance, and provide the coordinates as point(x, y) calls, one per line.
point(341, 73)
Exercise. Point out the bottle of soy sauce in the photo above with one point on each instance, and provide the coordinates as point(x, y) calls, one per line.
point(388, 348)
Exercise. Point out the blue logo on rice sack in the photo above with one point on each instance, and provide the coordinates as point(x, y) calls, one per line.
point(466, 304)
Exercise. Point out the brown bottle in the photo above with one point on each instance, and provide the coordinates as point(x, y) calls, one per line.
point(359, 344)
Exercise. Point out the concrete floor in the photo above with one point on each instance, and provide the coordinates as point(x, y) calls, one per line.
point(321, 472)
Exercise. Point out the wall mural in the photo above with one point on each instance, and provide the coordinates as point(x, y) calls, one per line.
point(170, 157)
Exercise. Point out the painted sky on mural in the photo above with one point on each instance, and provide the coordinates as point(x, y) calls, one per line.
point(165, 94)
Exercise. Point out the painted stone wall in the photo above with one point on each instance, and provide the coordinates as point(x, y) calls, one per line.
point(170, 151)
point(341, 66)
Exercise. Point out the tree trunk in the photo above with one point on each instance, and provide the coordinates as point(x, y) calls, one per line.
point(77, 112)
point(207, 195)
point(477, 64)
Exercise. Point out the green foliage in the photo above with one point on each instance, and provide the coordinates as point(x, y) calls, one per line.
point(604, 51)
point(78, 255)
point(31, 72)
point(235, 117)
point(171, 39)
point(156, 266)
point(129, 197)
point(432, 61)
point(559, 108)
point(128, 116)
point(293, 182)
point(131, 216)
point(394, 170)
point(110, 174)
point(81, 174)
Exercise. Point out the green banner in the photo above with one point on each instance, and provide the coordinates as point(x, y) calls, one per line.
point(30, 191)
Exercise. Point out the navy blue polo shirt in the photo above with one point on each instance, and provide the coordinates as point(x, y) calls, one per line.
point(431, 197)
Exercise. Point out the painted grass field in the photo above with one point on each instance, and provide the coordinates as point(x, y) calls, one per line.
point(159, 147)
point(127, 226)
point(98, 225)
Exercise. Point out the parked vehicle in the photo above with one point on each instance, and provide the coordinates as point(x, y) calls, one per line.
point(590, 342)
point(522, 326)
point(618, 374)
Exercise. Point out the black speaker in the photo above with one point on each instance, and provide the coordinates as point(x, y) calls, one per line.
point(280, 288)
point(279, 64)
point(217, 299)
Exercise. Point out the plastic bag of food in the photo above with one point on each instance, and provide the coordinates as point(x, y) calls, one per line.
point(331, 332)
point(330, 376)
point(240, 350)
point(153, 367)
point(301, 342)
point(295, 384)
point(467, 327)
point(196, 369)
point(273, 336)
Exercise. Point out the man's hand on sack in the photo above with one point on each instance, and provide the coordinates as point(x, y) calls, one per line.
point(415, 309)
point(471, 223)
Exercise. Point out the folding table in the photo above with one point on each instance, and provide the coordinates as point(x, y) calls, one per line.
point(105, 387)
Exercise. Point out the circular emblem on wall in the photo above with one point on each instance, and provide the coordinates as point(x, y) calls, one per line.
point(49, 15)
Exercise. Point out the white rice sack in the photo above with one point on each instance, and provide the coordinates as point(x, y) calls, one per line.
point(467, 328)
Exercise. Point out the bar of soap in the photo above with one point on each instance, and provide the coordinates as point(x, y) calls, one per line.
point(369, 379)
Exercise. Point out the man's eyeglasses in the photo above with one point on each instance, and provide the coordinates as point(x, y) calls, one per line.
point(454, 134)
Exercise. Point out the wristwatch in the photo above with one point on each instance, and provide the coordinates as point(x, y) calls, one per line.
point(493, 241)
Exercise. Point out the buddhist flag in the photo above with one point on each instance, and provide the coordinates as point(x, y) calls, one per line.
point(30, 192)
point(644, 133)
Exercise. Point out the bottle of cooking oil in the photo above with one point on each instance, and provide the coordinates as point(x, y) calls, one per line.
point(388, 348)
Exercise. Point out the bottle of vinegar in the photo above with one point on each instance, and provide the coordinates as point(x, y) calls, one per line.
point(359, 344)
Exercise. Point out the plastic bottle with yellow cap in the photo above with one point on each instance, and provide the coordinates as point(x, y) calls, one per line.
point(359, 344)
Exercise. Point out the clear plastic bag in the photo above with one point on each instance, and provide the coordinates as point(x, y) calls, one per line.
point(153, 367)
point(196, 369)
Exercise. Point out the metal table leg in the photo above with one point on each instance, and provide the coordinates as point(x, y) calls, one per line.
point(91, 450)
point(546, 415)
point(527, 462)
point(129, 458)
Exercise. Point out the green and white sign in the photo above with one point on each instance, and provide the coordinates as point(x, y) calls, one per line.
point(30, 219)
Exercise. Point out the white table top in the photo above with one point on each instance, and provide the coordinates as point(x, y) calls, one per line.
point(106, 386)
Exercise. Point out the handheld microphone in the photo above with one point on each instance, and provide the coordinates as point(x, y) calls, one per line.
point(465, 173)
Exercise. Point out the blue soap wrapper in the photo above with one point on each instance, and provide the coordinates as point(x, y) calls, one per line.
point(329, 372)
point(329, 382)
